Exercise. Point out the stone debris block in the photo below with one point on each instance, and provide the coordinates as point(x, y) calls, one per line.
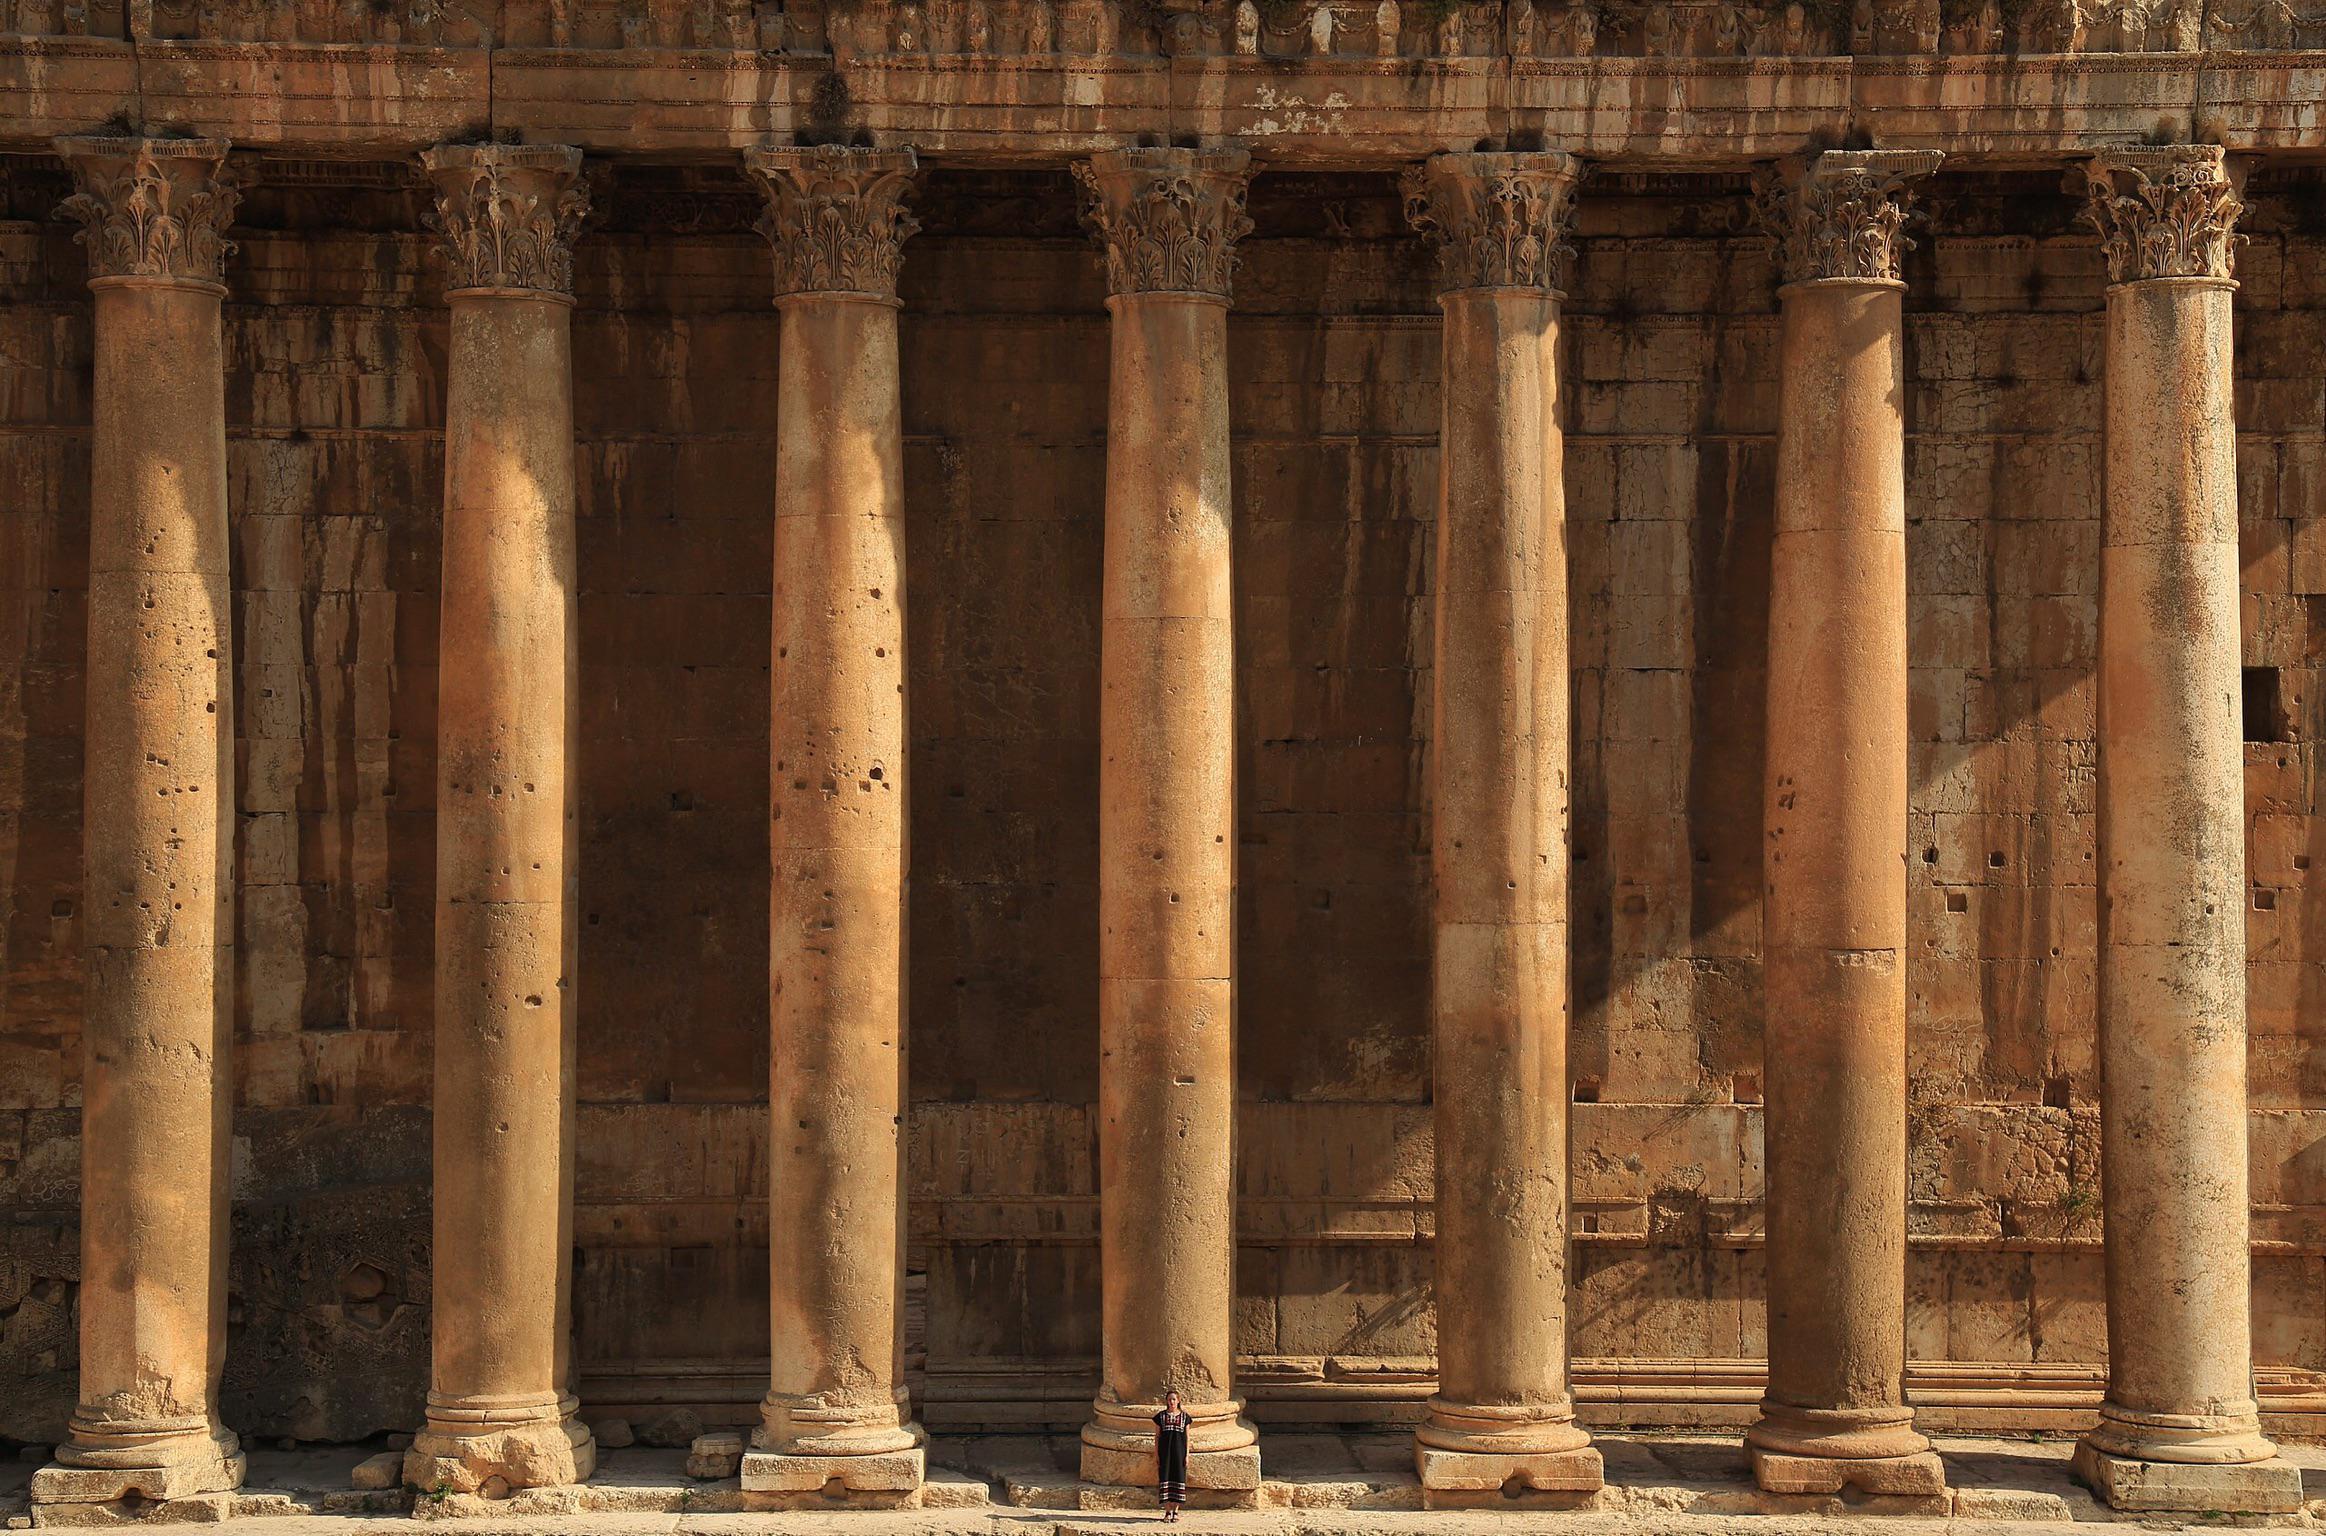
point(715, 1455)
point(382, 1471)
point(670, 1429)
point(613, 1434)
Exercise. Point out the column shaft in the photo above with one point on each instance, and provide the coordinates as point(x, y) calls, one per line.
point(158, 889)
point(500, 1407)
point(2179, 1427)
point(1502, 1417)
point(1167, 835)
point(836, 1407)
point(1834, 854)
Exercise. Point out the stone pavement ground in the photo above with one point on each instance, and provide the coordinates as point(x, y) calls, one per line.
point(1024, 1485)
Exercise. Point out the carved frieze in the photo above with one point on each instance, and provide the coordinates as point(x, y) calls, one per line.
point(1168, 219)
point(506, 214)
point(151, 208)
point(1842, 213)
point(852, 30)
point(2163, 211)
point(836, 216)
point(1497, 220)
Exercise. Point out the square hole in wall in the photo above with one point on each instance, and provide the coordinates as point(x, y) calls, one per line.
point(2265, 706)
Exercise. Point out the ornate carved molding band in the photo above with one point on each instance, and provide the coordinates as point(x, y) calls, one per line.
point(156, 209)
point(1169, 219)
point(507, 214)
point(1498, 220)
point(836, 217)
point(2164, 211)
point(1843, 214)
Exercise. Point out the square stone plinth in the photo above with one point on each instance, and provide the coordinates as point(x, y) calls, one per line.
point(1236, 1471)
point(887, 1472)
point(1470, 1479)
point(57, 1483)
point(2272, 1487)
point(1921, 1475)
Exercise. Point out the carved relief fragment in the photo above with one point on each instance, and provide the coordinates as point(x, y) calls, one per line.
point(151, 208)
point(836, 216)
point(1169, 219)
point(1844, 213)
point(506, 214)
point(1498, 220)
point(2163, 211)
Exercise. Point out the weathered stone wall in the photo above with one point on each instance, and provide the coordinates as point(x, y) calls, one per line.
point(335, 340)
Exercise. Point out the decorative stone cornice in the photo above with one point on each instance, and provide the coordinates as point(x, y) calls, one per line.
point(1169, 219)
point(507, 214)
point(2164, 211)
point(836, 217)
point(152, 209)
point(1498, 220)
point(1843, 213)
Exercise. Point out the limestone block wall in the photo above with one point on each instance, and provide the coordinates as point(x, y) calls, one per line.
point(336, 338)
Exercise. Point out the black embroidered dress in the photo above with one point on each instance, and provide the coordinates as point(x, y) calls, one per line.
point(1171, 1455)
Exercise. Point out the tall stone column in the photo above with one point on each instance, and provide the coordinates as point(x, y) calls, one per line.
point(1169, 220)
point(836, 1408)
point(2178, 1429)
point(1834, 845)
point(1502, 1416)
point(500, 1402)
point(158, 874)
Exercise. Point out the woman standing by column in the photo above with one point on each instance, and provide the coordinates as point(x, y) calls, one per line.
point(1171, 1455)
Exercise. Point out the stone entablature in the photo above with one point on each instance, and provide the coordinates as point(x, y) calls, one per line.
point(1387, 29)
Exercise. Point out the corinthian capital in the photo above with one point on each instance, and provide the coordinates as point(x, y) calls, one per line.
point(1169, 218)
point(156, 209)
point(2163, 211)
point(507, 214)
point(836, 217)
point(1498, 220)
point(1843, 214)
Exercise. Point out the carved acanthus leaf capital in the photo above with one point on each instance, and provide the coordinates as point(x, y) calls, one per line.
point(836, 216)
point(1498, 220)
point(1169, 219)
point(2164, 211)
point(507, 214)
point(151, 208)
point(1843, 214)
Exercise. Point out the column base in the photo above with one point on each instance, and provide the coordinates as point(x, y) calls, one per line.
point(1824, 1450)
point(2271, 1487)
point(1229, 1471)
point(106, 1463)
point(1500, 1452)
point(464, 1448)
point(1506, 1474)
point(1223, 1449)
point(1919, 1475)
point(880, 1472)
